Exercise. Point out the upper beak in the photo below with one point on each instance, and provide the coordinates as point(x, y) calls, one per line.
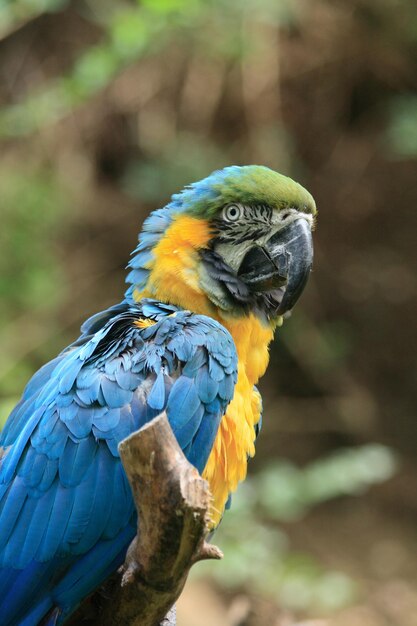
point(282, 265)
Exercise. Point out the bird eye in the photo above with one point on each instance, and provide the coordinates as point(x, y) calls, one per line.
point(232, 212)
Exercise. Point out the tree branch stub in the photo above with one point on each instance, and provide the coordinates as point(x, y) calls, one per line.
point(173, 503)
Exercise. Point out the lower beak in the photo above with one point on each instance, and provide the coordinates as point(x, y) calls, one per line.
point(281, 266)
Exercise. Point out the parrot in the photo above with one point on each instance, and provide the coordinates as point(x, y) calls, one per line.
point(215, 272)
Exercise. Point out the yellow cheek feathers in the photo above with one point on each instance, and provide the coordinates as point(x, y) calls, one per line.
point(174, 279)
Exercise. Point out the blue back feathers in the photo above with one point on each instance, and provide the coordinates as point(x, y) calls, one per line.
point(66, 512)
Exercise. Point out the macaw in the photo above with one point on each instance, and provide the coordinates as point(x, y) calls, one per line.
point(213, 275)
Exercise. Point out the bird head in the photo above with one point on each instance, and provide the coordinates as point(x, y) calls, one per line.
point(236, 242)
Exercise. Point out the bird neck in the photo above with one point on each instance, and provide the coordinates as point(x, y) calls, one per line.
point(174, 279)
point(172, 274)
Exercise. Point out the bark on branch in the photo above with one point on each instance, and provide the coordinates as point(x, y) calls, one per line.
point(173, 503)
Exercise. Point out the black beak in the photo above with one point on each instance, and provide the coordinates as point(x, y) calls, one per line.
point(281, 266)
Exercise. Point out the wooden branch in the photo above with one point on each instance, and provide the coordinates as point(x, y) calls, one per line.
point(173, 502)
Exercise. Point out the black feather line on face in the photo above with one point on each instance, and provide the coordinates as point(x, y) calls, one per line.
point(239, 237)
point(255, 222)
point(222, 273)
point(243, 300)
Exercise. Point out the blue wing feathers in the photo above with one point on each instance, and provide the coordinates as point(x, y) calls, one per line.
point(186, 432)
point(114, 395)
point(216, 370)
point(96, 563)
point(183, 401)
point(38, 463)
point(12, 503)
point(26, 465)
point(202, 442)
point(105, 422)
point(98, 320)
point(55, 529)
point(156, 398)
point(75, 460)
point(121, 504)
point(22, 595)
point(66, 510)
point(193, 365)
point(41, 377)
point(12, 457)
point(48, 475)
point(12, 551)
point(99, 512)
point(16, 422)
point(207, 387)
point(226, 387)
point(79, 425)
point(36, 529)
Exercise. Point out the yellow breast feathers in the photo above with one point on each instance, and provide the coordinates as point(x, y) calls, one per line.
point(234, 443)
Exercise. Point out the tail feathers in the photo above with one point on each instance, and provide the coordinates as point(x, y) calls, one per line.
point(34, 617)
point(23, 600)
point(52, 618)
point(47, 593)
point(91, 569)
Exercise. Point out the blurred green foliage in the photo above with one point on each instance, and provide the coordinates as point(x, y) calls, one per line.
point(33, 211)
point(32, 277)
point(15, 12)
point(131, 31)
point(258, 553)
point(178, 162)
point(286, 492)
point(402, 128)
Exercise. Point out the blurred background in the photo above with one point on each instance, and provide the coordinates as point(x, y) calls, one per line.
point(109, 106)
